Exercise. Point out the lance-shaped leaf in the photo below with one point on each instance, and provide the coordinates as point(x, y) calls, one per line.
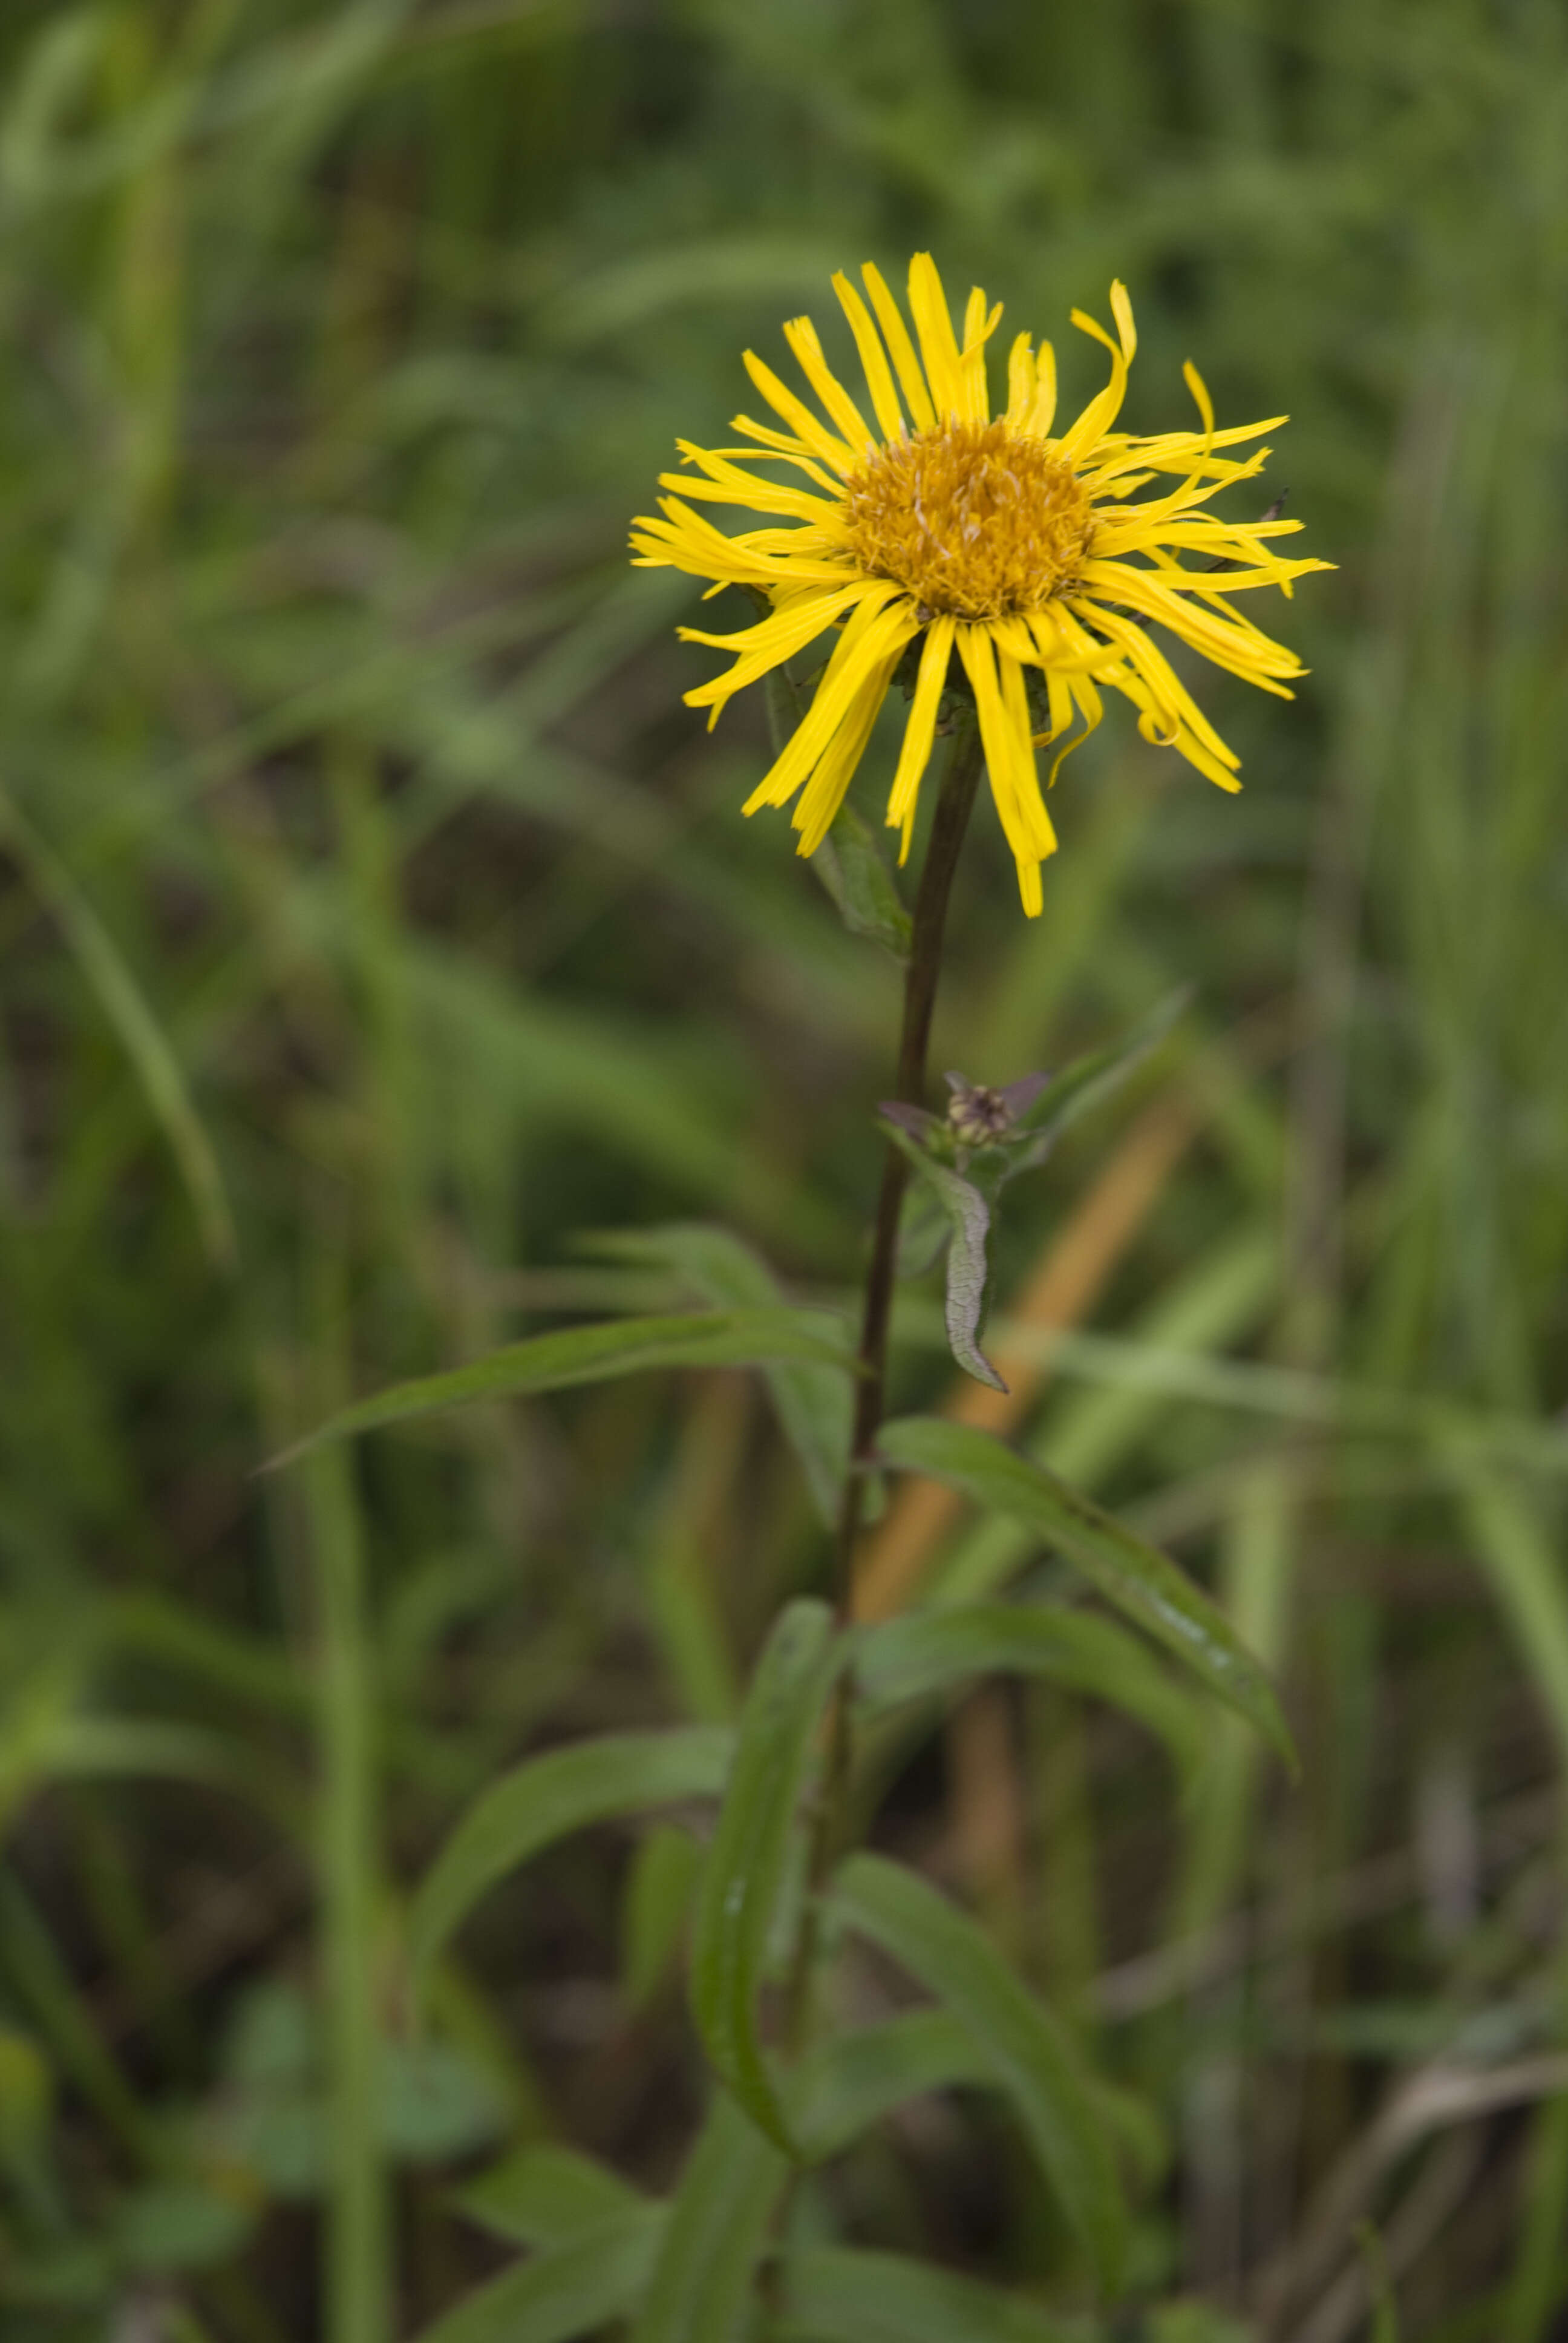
point(1143, 1584)
point(544, 1799)
point(968, 1220)
point(812, 1403)
point(925, 1650)
point(714, 2232)
point(747, 1861)
point(845, 2294)
point(592, 1354)
point(851, 2082)
point(850, 866)
point(568, 2290)
point(1029, 2057)
point(544, 2194)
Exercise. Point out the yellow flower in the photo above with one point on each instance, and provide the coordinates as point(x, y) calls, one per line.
point(1029, 554)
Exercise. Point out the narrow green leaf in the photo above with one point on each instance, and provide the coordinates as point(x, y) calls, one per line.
point(660, 1891)
point(969, 1225)
point(592, 1354)
point(812, 1403)
point(546, 1797)
point(1142, 1583)
point(842, 2294)
point(850, 866)
point(747, 1863)
point(1030, 2057)
point(143, 1038)
point(568, 2290)
point(1522, 1563)
point(1091, 1079)
point(851, 2082)
point(714, 2233)
point(544, 2194)
point(925, 1650)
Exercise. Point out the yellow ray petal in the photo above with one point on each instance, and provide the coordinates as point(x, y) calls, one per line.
point(896, 334)
point(920, 732)
point(798, 416)
point(872, 628)
point(802, 337)
point(873, 359)
point(824, 792)
point(938, 350)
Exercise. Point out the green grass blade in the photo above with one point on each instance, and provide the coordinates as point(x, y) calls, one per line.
point(143, 1038)
point(1030, 2057)
point(715, 2233)
point(747, 1863)
point(592, 1354)
point(1143, 1584)
point(544, 1799)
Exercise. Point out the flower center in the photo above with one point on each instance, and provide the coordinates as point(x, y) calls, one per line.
point(974, 518)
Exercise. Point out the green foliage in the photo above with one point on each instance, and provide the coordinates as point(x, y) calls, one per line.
point(374, 920)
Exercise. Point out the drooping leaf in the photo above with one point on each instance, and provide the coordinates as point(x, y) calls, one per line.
point(813, 1402)
point(925, 1650)
point(850, 865)
point(747, 1863)
point(1143, 1584)
point(843, 2294)
point(590, 1354)
point(969, 1221)
point(568, 2290)
point(546, 1797)
point(544, 2195)
point(1030, 2057)
point(714, 2232)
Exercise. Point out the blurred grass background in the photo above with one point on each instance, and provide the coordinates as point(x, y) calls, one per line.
point(376, 918)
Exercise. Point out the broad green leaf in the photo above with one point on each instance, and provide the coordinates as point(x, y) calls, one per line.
point(848, 2083)
point(968, 1222)
point(143, 1038)
point(545, 1798)
point(843, 2294)
point(850, 865)
point(1030, 2057)
point(747, 1861)
point(925, 1650)
point(592, 1354)
point(813, 1402)
point(714, 2232)
point(544, 2194)
point(1142, 1583)
point(568, 2290)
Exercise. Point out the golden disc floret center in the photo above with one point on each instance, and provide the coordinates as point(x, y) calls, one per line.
point(976, 520)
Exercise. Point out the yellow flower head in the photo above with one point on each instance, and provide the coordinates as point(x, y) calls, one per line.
point(1031, 554)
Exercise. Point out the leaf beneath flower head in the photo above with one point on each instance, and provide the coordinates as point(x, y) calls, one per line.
point(849, 864)
point(969, 1219)
point(1091, 1078)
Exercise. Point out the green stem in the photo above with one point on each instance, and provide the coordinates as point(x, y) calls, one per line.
point(955, 802)
point(960, 783)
